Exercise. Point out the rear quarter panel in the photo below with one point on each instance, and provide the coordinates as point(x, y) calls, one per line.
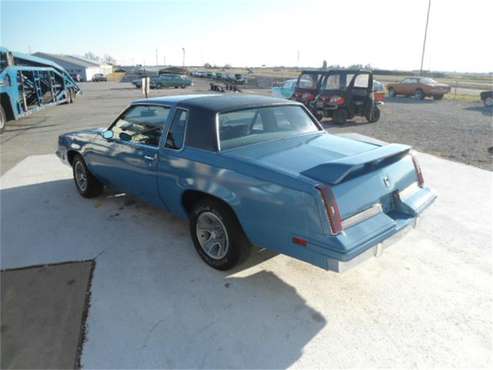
point(271, 207)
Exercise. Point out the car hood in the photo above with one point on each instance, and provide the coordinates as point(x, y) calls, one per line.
point(296, 155)
point(86, 134)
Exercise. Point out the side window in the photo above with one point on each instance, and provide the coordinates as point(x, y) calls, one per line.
point(141, 125)
point(362, 80)
point(176, 134)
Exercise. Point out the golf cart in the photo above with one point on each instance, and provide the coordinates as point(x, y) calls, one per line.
point(343, 94)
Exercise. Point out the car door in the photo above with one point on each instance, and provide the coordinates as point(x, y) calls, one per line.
point(129, 159)
point(359, 95)
point(172, 166)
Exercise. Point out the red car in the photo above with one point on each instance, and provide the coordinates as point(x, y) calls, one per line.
point(420, 87)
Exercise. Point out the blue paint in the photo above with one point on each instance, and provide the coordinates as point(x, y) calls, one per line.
point(269, 185)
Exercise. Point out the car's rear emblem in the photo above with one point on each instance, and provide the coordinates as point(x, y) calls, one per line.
point(386, 181)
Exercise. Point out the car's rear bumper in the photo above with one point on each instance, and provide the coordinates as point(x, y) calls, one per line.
point(370, 237)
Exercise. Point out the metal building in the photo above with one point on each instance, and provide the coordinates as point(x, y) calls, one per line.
point(77, 66)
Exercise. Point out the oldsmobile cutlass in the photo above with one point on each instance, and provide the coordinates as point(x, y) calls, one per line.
point(254, 170)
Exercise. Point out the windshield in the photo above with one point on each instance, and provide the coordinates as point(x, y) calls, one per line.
point(251, 126)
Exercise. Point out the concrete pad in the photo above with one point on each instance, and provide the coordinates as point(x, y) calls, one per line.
point(427, 301)
point(42, 311)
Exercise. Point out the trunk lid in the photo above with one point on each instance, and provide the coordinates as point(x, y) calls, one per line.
point(361, 174)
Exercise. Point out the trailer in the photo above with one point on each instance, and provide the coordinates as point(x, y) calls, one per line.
point(29, 83)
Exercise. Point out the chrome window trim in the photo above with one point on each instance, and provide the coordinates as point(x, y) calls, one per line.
point(184, 134)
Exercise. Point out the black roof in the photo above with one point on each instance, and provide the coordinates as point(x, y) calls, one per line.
point(215, 102)
point(336, 70)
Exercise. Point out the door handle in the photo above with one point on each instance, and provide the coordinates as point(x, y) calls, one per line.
point(150, 157)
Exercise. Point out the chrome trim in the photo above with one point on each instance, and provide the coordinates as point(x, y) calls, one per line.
point(362, 216)
point(410, 190)
point(217, 133)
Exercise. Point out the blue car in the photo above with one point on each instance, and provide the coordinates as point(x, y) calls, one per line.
point(251, 170)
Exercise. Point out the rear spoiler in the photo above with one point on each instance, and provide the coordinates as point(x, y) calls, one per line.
point(335, 172)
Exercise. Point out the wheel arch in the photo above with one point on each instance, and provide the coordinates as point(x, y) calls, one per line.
point(190, 197)
point(71, 155)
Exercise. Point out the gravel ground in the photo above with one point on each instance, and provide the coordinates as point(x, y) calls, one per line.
point(459, 131)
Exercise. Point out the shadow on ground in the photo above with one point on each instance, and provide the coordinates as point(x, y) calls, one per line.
point(486, 111)
point(154, 303)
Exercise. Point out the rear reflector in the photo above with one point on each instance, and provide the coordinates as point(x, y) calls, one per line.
point(419, 173)
point(331, 208)
point(300, 241)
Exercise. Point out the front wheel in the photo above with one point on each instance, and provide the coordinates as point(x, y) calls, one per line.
point(85, 182)
point(3, 119)
point(217, 235)
point(437, 97)
point(488, 102)
point(392, 93)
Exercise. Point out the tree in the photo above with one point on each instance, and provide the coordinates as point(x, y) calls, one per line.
point(91, 56)
point(108, 59)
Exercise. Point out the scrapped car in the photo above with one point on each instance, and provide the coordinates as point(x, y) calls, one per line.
point(420, 87)
point(487, 98)
point(344, 94)
point(99, 77)
point(255, 170)
point(286, 90)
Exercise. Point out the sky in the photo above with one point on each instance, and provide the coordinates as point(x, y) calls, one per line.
point(382, 33)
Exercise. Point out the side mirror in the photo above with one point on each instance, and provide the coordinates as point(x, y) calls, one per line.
point(108, 134)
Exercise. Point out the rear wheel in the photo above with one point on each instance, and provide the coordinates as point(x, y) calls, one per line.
point(373, 115)
point(3, 119)
point(85, 182)
point(339, 116)
point(488, 102)
point(217, 235)
point(437, 97)
point(392, 93)
point(419, 94)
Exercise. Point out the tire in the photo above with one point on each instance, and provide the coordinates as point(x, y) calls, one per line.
point(419, 94)
point(90, 187)
point(229, 246)
point(488, 102)
point(373, 115)
point(3, 119)
point(437, 97)
point(339, 116)
point(392, 93)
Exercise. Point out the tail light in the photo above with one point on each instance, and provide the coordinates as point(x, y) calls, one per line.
point(338, 100)
point(331, 208)
point(308, 97)
point(419, 173)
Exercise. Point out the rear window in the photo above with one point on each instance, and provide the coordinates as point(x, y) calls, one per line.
point(251, 126)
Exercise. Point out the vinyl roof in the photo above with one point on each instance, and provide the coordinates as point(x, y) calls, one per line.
point(217, 102)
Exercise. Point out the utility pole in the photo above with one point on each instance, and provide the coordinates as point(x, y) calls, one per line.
point(297, 58)
point(183, 50)
point(156, 58)
point(424, 41)
point(164, 60)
